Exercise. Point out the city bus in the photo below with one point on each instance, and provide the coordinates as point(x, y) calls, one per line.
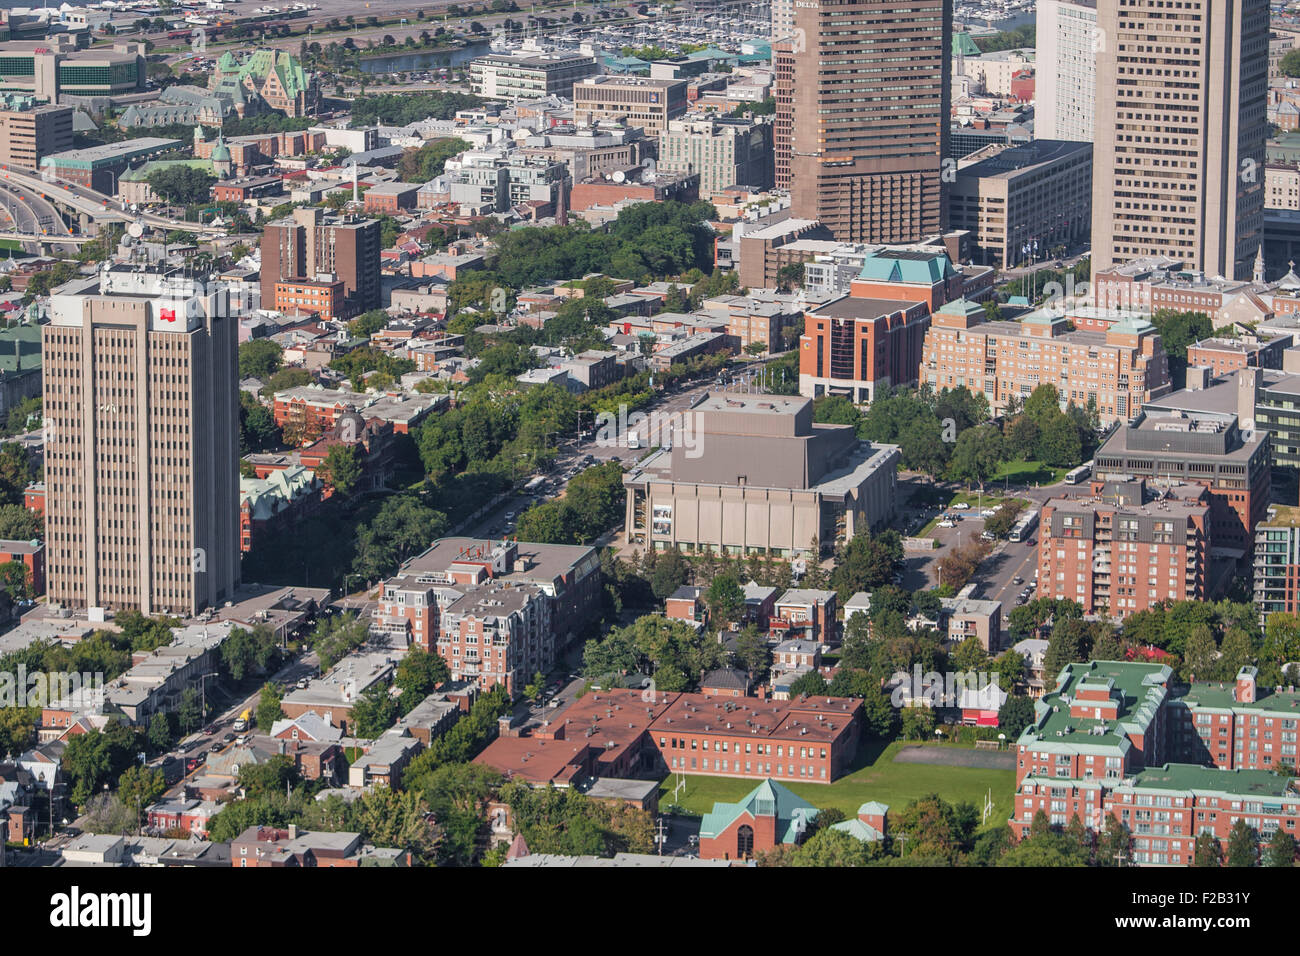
point(1082, 473)
point(1024, 526)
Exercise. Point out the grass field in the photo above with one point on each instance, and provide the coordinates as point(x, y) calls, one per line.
point(1029, 472)
point(875, 776)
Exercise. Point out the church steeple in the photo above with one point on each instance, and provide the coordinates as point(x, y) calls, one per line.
point(1259, 265)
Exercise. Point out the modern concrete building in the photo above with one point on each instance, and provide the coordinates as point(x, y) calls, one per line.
point(1038, 195)
point(1212, 450)
point(1277, 562)
point(29, 132)
point(724, 151)
point(1115, 370)
point(99, 167)
point(142, 443)
point(1066, 69)
point(53, 69)
point(309, 245)
point(1182, 179)
point(528, 75)
point(758, 476)
point(633, 100)
point(862, 99)
point(1126, 548)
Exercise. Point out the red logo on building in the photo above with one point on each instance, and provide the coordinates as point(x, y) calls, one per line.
point(168, 315)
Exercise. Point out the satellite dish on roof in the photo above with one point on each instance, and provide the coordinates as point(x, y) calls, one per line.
point(619, 176)
point(135, 230)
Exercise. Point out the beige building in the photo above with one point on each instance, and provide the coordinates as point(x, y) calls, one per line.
point(725, 152)
point(993, 72)
point(29, 132)
point(1282, 186)
point(529, 76)
point(1116, 369)
point(1183, 179)
point(141, 443)
point(752, 474)
point(633, 100)
point(968, 617)
point(1008, 197)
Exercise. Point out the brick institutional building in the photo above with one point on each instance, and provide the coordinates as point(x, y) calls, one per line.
point(1105, 742)
point(624, 733)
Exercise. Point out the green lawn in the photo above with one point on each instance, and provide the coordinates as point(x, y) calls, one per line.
point(1029, 472)
point(875, 776)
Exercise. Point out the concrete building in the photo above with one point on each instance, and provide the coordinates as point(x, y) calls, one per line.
point(28, 132)
point(1115, 370)
point(142, 481)
point(759, 477)
point(1127, 548)
point(1194, 190)
point(1212, 450)
point(529, 76)
point(971, 618)
point(633, 100)
point(497, 633)
point(53, 69)
point(99, 167)
point(311, 246)
point(862, 115)
point(1277, 562)
point(1266, 398)
point(1066, 69)
point(1012, 197)
point(724, 151)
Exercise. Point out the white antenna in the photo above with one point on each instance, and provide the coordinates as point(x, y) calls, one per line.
point(354, 180)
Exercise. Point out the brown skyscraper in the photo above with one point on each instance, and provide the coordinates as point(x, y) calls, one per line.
point(310, 244)
point(1180, 130)
point(863, 92)
point(141, 443)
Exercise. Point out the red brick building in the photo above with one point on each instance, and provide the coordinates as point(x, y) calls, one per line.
point(30, 553)
point(768, 816)
point(1106, 741)
point(1126, 549)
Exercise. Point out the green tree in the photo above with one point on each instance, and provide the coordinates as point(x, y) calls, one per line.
point(159, 734)
point(1281, 850)
point(810, 684)
point(341, 469)
point(260, 358)
point(16, 578)
point(17, 523)
point(1015, 714)
point(1209, 852)
point(374, 712)
point(977, 455)
point(268, 707)
point(138, 787)
point(183, 185)
point(725, 599)
point(1243, 844)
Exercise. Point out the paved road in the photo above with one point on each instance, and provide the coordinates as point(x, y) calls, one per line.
point(30, 213)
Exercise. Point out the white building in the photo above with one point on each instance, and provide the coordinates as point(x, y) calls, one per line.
point(1066, 81)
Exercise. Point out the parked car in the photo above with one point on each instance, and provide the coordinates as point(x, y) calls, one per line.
point(1017, 580)
point(988, 536)
point(987, 513)
point(946, 523)
point(961, 506)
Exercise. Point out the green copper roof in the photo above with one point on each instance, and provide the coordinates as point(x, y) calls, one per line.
point(907, 266)
point(856, 828)
point(961, 306)
point(964, 45)
point(769, 798)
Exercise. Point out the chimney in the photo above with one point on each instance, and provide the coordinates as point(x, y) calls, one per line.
point(1247, 386)
point(293, 831)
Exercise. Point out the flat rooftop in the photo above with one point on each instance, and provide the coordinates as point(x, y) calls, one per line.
point(849, 307)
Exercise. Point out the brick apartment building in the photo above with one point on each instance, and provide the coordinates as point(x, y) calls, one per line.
point(805, 613)
point(1226, 355)
point(1106, 741)
point(1115, 370)
point(856, 346)
point(30, 553)
point(1200, 448)
point(302, 248)
point(497, 611)
point(1126, 549)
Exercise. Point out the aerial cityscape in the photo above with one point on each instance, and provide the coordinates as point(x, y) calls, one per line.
point(689, 434)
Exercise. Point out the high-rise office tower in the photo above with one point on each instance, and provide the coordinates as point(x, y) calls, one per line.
point(1066, 70)
point(1180, 130)
point(310, 246)
point(141, 442)
point(864, 94)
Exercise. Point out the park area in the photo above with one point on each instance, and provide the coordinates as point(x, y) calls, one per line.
point(876, 775)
